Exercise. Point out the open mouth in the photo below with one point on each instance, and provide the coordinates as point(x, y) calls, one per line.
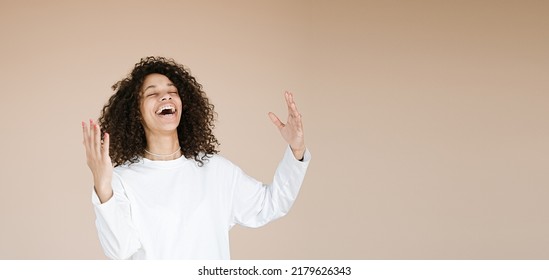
point(166, 110)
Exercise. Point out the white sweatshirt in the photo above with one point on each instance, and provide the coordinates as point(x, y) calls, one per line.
point(178, 210)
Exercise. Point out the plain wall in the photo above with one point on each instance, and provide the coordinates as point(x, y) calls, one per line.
point(427, 120)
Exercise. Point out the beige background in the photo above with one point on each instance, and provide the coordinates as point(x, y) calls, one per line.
point(427, 120)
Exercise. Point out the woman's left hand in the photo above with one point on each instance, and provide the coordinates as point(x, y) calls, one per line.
point(292, 130)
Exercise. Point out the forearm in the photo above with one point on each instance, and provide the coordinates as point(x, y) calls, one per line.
point(117, 233)
point(257, 204)
point(104, 192)
point(288, 178)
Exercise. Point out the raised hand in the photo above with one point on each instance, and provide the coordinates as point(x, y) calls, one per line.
point(292, 130)
point(98, 159)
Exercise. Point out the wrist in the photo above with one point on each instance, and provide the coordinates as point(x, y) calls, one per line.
point(103, 189)
point(299, 153)
point(103, 193)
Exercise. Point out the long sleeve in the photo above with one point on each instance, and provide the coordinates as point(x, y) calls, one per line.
point(255, 204)
point(117, 234)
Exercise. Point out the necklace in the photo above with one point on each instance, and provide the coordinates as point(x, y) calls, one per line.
point(159, 155)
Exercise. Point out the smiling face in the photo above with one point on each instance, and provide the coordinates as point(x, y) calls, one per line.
point(160, 105)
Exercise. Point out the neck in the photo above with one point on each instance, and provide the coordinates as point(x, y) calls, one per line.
point(162, 147)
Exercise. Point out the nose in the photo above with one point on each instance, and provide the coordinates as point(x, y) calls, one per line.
point(165, 97)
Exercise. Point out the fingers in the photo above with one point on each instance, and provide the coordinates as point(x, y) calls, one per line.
point(288, 97)
point(92, 140)
point(276, 121)
point(86, 136)
point(292, 107)
point(97, 139)
point(106, 143)
point(294, 117)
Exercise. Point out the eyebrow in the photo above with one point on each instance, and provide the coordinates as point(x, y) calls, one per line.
point(153, 86)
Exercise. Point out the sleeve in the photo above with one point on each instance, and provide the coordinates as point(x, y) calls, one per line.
point(256, 204)
point(117, 233)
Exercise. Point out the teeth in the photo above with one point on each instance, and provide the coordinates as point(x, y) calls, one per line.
point(169, 107)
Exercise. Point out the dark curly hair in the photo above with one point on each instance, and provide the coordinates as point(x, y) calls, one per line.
point(121, 116)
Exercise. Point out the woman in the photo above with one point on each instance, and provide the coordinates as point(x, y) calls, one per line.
point(160, 189)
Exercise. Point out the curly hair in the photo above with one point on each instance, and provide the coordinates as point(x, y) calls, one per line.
point(121, 116)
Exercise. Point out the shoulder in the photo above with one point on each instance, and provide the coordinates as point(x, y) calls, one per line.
point(128, 168)
point(221, 167)
point(215, 168)
point(218, 161)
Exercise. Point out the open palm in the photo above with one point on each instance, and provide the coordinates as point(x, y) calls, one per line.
point(292, 130)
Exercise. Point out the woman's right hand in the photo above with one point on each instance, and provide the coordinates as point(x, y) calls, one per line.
point(98, 159)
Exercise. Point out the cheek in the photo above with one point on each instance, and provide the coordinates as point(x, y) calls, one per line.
point(144, 108)
point(179, 102)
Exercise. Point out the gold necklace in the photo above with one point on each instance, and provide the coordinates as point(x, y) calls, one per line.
point(159, 155)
